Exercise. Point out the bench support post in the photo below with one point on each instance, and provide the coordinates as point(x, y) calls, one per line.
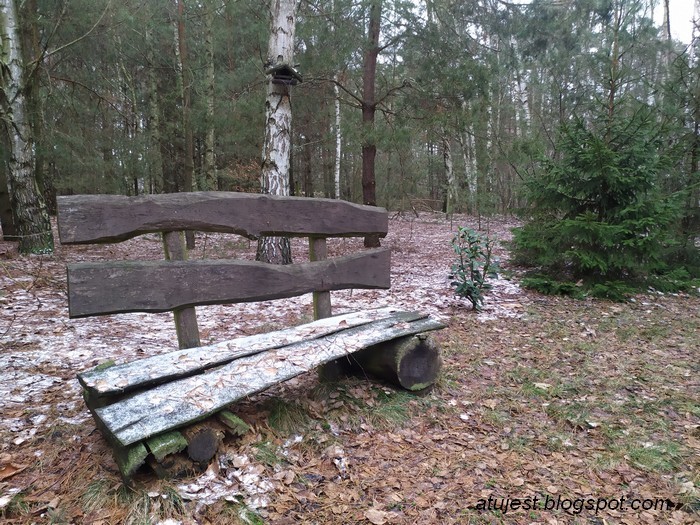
point(318, 251)
point(185, 318)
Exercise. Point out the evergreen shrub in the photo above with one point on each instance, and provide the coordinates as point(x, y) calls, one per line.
point(598, 216)
point(474, 265)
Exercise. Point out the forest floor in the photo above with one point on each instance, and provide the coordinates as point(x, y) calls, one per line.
point(576, 403)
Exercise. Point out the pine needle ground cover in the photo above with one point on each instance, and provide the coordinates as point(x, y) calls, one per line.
point(541, 396)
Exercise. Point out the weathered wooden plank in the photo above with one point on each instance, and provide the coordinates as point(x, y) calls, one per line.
point(126, 377)
point(86, 219)
point(174, 404)
point(118, 287)
point(186, 325)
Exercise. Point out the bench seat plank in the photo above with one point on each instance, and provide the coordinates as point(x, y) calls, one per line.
point(126, 377)
point(118, 287)
point(184, 401)
point(87, 219)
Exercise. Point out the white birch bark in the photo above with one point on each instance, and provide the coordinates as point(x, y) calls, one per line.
point(696, 30)
point(466, 141)
point(28, 207)
point(278, 123)
point(338, 140)
point(449, 173)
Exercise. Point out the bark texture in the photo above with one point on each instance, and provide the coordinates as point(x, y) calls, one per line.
point(369, 107)
point(277, 145)
point(29, 210)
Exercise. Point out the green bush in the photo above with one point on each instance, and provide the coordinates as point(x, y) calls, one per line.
point(473, 266)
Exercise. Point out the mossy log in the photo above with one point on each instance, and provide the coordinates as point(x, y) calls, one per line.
point(412, 362)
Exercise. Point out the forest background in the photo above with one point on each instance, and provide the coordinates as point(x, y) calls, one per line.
point(473, 101)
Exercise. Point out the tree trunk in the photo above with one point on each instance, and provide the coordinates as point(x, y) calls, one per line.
point(338, 139)
point(369, 146)
point(155, 159)
point(29, 211)
point(9, 232)
point(31, 49)
point(451, 199)
point(186, 74)
point(278, 124)
point(209, 176)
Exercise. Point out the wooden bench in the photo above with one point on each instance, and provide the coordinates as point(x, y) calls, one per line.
point(137, 405)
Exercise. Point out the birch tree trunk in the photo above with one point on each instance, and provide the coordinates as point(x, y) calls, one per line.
point(451, 199)
point(338, 140)
point(277, 145)
point(9, 232)
point(28, 208)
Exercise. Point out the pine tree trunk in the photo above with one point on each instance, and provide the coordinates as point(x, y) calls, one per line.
point(369, 146)
point(155, 147)
point(186, 83)
point(209, 176)
point(277, 145)
point(29, 211)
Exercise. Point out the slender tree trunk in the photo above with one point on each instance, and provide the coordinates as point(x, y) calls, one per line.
point(186, 75)
point(451, 198)
point(338, 139)
point(278, 124)
point(30, 215)
point(369, 146)
point(209, 176)
point(155, 147)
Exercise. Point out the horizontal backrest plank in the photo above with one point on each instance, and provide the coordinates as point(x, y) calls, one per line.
point(84, 219)
point(158, 286)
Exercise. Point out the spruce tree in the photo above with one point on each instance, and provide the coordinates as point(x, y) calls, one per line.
point(598, 212)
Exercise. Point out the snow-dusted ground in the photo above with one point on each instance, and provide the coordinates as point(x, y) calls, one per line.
point(41, 349)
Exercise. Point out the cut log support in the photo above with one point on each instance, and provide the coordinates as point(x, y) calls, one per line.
point(412, 362)
point(203, 441)
point(129, 459)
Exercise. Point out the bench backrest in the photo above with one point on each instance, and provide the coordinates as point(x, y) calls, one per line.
point(179, 284)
